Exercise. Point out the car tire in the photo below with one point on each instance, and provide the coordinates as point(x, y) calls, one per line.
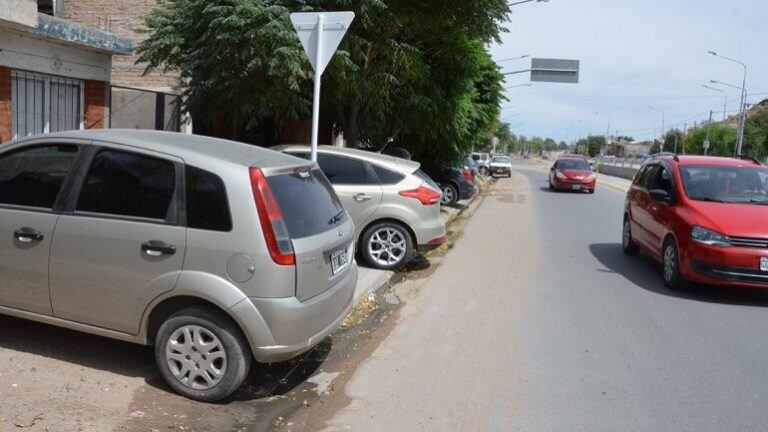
point(591, 191)
point(551, 186)
point(450, 194)
point(483, 170)
point(670, 257)
point(212, 334)
point(386, 246)
point(628, 244)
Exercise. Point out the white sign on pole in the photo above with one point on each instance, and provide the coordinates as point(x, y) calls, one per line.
point(320, 34)
point(706, 144)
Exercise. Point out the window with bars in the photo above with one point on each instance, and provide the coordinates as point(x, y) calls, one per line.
point(45, 103)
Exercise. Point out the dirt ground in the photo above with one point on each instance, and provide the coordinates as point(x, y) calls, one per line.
point(53, 379)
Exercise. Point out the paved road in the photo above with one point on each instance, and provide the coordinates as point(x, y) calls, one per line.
point(536, 321)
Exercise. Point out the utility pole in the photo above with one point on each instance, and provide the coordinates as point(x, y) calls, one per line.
point(706, 141)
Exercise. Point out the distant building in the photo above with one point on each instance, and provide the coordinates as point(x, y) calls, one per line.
point(54, 74)
point(622, 148)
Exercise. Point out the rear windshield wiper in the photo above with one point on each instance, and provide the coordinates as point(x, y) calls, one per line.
point(336, 218)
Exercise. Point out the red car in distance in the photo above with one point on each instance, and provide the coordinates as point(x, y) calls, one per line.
point(704, 218)
point(572, 173)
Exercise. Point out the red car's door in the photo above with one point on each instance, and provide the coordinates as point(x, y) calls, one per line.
point(640, 201)
point(660, 213)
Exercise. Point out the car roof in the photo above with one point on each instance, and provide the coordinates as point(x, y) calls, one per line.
point(184, 146)
point(707, 160)
point(388, 161)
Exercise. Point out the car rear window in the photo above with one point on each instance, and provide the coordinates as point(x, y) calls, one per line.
point(307, 202)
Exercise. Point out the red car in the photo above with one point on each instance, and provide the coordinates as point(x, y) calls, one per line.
point(704, 218)
point(572, 172)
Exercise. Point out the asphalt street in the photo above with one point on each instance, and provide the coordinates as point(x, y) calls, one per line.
point(536, 321)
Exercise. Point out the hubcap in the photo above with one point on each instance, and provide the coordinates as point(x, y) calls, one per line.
point(196, 357)
point(387, 246)
point(447, 195)
point(670, 261)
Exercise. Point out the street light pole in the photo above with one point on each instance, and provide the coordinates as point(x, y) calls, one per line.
point(725, 97)
point(514, 58)
point(743, 103)
point(662, 125)
point(518, 85)
point(526, 1)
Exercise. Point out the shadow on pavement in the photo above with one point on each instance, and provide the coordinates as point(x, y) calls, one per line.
point(644, 272)
point(137, 361)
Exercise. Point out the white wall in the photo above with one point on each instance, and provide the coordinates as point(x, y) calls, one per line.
point(19, 12)
point(26, 52)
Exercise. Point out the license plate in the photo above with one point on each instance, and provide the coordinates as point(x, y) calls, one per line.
point(338, 260)
point(764, 264)
point(576, 187)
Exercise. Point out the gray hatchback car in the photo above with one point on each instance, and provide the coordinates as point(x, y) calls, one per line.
point(395, 206)
point(215, 252)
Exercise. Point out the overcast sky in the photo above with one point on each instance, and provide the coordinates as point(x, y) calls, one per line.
point(634, 54)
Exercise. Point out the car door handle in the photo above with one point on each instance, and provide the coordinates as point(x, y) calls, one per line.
point(157, 248)
point(361, 197)
point(28, 235)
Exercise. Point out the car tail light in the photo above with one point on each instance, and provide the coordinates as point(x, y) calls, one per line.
point(437, 241)
point(467, 174)
point(272, 222)
point(426, 195)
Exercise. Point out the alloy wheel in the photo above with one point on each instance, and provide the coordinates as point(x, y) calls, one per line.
point(387, 246)
point(447, 195)
point(670, 263)
point(196, 357)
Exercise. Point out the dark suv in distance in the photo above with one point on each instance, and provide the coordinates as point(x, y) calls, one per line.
point(457, 182)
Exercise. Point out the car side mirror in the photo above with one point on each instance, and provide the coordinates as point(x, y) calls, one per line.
point(659, 195)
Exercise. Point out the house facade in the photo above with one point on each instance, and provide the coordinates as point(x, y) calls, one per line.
point(54, 74)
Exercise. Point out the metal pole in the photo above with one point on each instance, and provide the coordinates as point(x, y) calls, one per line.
point(316, 97)
point(709, 128)
point(743, 110)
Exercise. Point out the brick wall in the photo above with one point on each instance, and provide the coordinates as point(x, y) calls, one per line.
point(124, 18)
point(5, 104)
point(95, 92)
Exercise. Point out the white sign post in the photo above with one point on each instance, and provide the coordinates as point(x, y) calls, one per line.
point(320, 34)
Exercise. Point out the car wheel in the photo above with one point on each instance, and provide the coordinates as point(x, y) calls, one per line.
point(202, 355)
point(628, 245)
point(450, 194)
point(483, 170)
point(671, 264)
point(591, 191)
point(386, 246)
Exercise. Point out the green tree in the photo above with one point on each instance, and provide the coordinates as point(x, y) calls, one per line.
point(721, 140)
point(756, 134)
point(413, 74)
point(625, 138)
point(673, 138)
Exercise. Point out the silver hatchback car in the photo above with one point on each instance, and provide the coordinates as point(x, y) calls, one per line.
point(214, 251)
point(394, 205)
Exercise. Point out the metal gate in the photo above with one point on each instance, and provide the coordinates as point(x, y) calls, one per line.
point(45, 103)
